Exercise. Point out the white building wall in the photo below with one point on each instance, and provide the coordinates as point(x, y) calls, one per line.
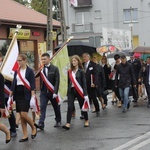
point(112, 16)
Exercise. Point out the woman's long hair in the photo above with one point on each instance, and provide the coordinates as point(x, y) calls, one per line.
point(79, 61)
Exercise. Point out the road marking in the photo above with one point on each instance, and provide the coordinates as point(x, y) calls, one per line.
point(140, 145)
point(132, 141)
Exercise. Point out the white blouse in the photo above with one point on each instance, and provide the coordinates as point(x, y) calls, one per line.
point(22, 72)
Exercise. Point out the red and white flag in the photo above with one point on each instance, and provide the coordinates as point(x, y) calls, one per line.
point(74, 2)
point(10, 64)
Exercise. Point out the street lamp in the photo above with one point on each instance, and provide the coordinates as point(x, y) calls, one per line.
point(131, 30)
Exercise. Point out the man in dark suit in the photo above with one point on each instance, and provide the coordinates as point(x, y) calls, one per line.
point(145, 74)
point(136, 64)
point(91, 74)
point(51, 72)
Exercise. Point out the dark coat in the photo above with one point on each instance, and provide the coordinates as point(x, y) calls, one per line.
point(80, 77)
point(2, 95)
point(107, 71)
point(145, 75)
point(101, 77)
point(53, 77)
point(29, 75)
point(136, 67)
point(91, 70)
point(125, 75)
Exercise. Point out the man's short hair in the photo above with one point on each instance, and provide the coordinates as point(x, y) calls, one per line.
point(117, 56)
point(45, 54)
point(123, 56)
point(131, 54)
point(148, 57)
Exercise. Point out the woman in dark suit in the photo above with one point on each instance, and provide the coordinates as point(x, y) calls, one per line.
point(2, 109)
point(107, 71)
point(22, 95)
point(78, 73)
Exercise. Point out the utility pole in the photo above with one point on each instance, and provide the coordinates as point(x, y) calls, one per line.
point(62, 20)
point(49, 26)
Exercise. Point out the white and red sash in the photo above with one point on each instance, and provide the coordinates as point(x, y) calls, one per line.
point(50, 86)
point(86, 105)
point(27, 85)
point(10, 99)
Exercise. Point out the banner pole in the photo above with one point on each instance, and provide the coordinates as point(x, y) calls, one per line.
point(64, 44)
point(10, 46)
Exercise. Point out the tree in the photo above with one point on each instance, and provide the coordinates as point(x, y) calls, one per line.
point(41, 6)
point(23, 2)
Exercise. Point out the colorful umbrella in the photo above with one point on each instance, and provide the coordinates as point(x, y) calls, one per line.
point(106, 48)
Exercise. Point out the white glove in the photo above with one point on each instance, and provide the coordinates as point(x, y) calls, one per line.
point(9, 102)
point(32, 101)
point(54, 95)
point(86, 97)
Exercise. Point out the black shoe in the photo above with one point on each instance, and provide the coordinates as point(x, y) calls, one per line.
point(23, 140)
point(97, 114)
point(58, 124)
point(128, 106)
point(7, 141)
point(135, 101)
point(112, 102)
point(65, 127)
point(39, 126)
point(148, 105)
point(123, 110)
point(81, 117)
point(34, 135)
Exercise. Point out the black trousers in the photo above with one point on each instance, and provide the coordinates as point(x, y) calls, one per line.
point(92, 93)
point(11, 119)
point(71, 98)
point(148, 92)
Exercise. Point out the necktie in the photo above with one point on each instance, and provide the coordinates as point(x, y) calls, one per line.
point(85, 66)
point(46, 70)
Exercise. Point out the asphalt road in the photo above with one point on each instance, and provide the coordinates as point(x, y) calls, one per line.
point(113, 130)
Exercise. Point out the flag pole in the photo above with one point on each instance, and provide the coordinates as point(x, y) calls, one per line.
point(64, 44)
point(11, 44)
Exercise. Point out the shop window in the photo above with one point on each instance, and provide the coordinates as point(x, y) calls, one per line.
point(27, 47)
point(4, 45)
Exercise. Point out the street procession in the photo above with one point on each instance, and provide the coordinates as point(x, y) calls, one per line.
point(73, 78)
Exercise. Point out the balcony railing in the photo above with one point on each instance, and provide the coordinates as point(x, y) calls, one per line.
point(84, 3)
point(76, 28)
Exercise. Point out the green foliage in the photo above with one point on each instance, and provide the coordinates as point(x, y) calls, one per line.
point(23, 2)
point(40, 6)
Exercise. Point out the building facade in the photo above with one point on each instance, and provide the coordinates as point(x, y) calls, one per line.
point(87, 20)
point(31, 37)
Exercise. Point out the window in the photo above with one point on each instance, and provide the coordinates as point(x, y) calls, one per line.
point(130, 15)
point(82, 18)
point(97, 14)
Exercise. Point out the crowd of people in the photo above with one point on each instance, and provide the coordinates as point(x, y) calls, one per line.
point(88, 80)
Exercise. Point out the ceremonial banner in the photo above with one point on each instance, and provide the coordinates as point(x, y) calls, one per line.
point(74, 2)
point(10, 64)
point(61, 60)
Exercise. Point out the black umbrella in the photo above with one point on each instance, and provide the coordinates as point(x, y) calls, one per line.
point(119, 53)
point(78, 48)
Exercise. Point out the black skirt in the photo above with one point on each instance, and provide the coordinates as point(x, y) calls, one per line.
point(22, 105)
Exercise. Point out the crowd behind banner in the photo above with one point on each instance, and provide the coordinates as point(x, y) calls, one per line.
point(89, 80)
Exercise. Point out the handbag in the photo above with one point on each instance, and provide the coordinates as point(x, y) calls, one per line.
point(106, 92)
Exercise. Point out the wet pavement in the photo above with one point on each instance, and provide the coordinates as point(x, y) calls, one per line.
point(112, 130)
